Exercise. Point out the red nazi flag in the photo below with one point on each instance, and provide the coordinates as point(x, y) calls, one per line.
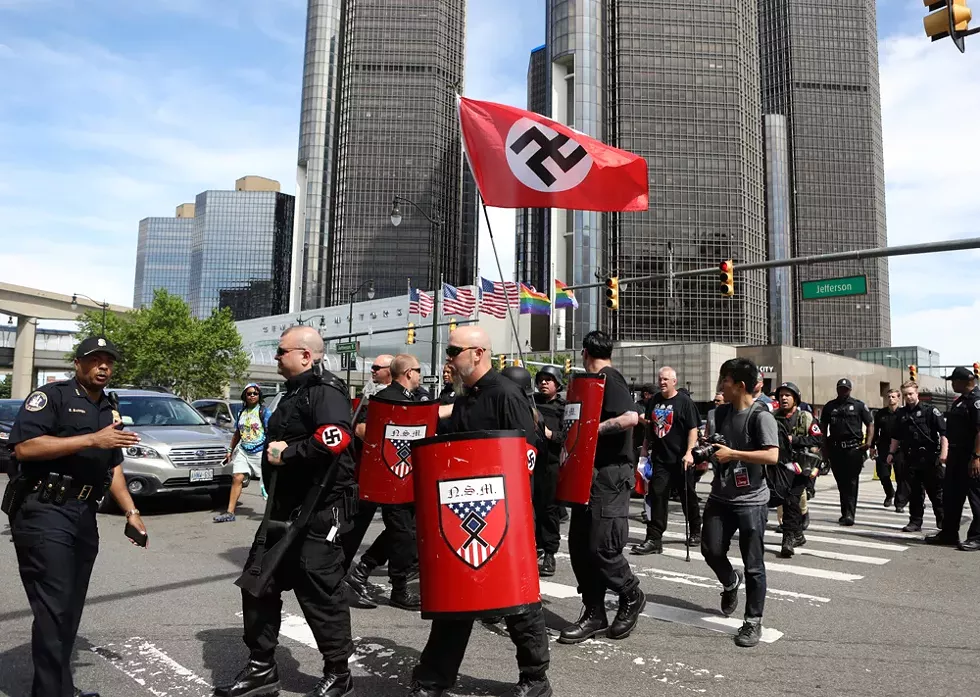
point(524, 160)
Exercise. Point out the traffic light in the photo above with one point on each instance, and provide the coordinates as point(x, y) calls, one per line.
point(452, 325)
point(410, 339)
point(913, 373)
point(727, 279)
point(976, 369)
point(951, 18)
point(501, 362)
point(516, 362)
point(612, 292)
point(568, 366)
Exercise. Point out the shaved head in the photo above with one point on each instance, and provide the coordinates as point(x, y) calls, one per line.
point(471, 335)
point(469, 354)
point(307, 338)
point(384, 359)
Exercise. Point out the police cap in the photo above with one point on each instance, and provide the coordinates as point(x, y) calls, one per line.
point(96, 344)
point(960, 373)
point(845, 383)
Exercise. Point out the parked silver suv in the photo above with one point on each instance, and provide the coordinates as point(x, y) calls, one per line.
point(179, 451)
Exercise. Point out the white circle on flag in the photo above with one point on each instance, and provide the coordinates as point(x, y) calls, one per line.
point(543, 159)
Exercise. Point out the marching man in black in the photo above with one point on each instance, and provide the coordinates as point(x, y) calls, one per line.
point(843, 422)
point(599, 531)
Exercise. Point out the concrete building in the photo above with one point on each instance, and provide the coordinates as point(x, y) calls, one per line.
point(378, 119)
point(636, 75)
point(819, 66)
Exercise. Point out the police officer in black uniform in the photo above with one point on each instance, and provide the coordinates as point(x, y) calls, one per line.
point(395, 545)
point(598, 531)
point(309, 437)
point(448, 393)
point(962, 481)
point(67, 440)
point(885, 421)
point(547, 523)
point(490, 403)
point(845, 418)
point(921, 435)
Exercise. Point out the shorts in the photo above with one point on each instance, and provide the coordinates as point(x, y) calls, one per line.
point(247, 463)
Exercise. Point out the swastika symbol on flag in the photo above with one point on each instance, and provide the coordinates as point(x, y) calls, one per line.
point(557, 164)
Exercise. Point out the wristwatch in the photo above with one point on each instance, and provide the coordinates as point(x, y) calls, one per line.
point(130, 513)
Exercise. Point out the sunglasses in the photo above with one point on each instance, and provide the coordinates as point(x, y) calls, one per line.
point(251, 394)
point(280, 352)
point(414, 370)
point(376, 368)
point(453, 351)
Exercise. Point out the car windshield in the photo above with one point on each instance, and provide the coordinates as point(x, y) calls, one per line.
point(236, 409)
point(152, 410)
point(9, 409)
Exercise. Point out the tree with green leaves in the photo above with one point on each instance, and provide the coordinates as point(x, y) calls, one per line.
point(164, 345)
point(6, 384)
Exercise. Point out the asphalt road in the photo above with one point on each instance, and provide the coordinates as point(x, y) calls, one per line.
point(867, 610)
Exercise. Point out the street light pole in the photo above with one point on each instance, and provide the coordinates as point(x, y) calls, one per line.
point(396, 220)
point(350, 317)
point(104, 305)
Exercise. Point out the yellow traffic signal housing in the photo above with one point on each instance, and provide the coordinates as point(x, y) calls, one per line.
point(410, 339)
point(501, 362)
point(976, 369)
point(913, 373)
point(951, 19)
point(612, 292)
point(727, 279)
point(568, 366)
point(452, 325)
point(516, 362)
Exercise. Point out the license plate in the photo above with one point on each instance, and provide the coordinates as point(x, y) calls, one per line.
point(202, 475)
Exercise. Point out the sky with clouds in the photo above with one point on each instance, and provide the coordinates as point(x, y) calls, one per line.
point(115, 110)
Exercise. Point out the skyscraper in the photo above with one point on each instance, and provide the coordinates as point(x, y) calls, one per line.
point(379, 120)
point(679, 85)
point(820, 71)
point(532, 258)
point(163, 256)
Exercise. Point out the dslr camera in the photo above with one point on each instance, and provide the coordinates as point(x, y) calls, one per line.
point(704, 455)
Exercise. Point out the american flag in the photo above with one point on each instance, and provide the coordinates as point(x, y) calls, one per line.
point(492, 300)
point(420, 303)
point(403, 448)
point(473, 519)
point(458, 301)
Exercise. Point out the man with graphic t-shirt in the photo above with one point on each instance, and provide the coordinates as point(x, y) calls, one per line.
point(666, 463)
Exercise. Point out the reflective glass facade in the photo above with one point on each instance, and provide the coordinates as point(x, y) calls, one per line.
point(533, 240)
point(681, 89)
point(902, 357)
point(379, 119)
point(163, 258)
point(779, 228)
point(820, 70)
point(240, 253)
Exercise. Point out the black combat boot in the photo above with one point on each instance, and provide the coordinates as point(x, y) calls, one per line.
point(359, 576)
point(333, 685)
point(258, 678)
point(546, 565)
point(418, 690)
point(530, 687)
point(789, 540)
point(592, 622)
point(648, 547)
point(402, 597)
point(358, 600)
point(630, 606)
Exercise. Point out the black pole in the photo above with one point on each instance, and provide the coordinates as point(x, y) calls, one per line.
point(437, 295)
point(350, 331)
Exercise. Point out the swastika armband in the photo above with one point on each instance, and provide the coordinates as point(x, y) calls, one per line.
point(333, 437)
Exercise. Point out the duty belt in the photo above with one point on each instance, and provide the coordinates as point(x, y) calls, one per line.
point(847, 444)
point(58, 488)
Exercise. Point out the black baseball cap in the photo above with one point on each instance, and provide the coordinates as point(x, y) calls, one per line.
point(844, 382)
point(960, 373)
point(96, 344)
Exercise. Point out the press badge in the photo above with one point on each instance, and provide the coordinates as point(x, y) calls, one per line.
point(741, 476)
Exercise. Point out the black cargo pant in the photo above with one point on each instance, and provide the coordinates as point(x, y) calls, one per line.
point(597, 534)
point(900, 490)
point(791, 501)
point(721, 522)
point(547, 525)
point(846, 464)
point(439, 664)
point(395, 546)
point(665, 479)
point(958, 487)
point(924, 476)
point(314, 570)
point(56, 549)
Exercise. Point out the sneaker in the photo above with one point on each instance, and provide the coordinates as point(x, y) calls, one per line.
point(729, 598)
point(749, 634)
point(225, 518)
point(912, 527)
point(265, 494)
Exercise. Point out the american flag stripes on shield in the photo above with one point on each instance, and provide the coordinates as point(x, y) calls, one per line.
point(473, 517)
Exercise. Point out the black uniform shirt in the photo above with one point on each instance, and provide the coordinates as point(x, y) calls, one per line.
point(963, 422)
point(552, 412)
point(845, 418)
point(885, 423)
point(492, 404)
point(920, 427)
point(448, 394)
point(396, 393)
point(63, 409)
point(615, 448)
point(314, 419)
point(669, 421)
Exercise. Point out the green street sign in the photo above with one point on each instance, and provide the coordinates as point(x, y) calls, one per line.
point(347, 347)
point(835, 287)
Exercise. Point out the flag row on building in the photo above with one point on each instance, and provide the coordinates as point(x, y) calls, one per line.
point(493, 298)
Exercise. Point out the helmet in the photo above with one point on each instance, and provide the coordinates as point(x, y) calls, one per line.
point(552, 372)
point(520, 377)
point(794, 390)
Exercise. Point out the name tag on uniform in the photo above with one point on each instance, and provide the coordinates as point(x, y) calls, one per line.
point(741, 476)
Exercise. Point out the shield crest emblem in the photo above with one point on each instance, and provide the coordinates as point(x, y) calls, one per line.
point(663, 420)
point(570, 422)
point(473, 517)
point(396, 450)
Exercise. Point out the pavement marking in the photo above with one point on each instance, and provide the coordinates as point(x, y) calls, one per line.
point(816, 538)
point(837, 556)
point(860, 531)
point(151, 668)
point(774, 566)
point(667, 613)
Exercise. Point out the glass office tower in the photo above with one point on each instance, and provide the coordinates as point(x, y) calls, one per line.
point(163, 257)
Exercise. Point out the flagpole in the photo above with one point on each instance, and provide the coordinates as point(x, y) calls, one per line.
point(436, 297)
point(500, 270)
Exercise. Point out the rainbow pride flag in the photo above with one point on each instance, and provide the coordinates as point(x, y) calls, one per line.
point(564, 298)
point(533, 302)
